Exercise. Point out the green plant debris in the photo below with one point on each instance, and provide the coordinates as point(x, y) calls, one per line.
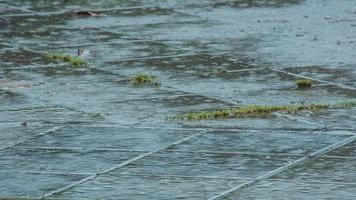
point(304, 83)
point(144, 79)
point(95, 114)
point(221, 72)
point(260, 110)
point(73, 61)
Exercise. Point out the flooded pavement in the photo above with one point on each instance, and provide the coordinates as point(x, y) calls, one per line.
point(88, 133)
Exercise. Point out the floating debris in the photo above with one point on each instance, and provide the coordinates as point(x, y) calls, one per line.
point(80, 52)
point(24, 85)
point(73, 61)
point(304, 83)
point(50, 72)
point(144, 79)
point(221, 71)
point(260, 110)
point(88, 13)
point(327, 17)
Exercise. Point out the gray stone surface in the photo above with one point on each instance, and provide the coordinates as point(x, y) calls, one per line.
point(113, 140)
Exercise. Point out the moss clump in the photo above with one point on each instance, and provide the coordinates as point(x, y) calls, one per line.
point(73, 61)
point(345, 104)
point(304, 83)
point(260, 110)
point(214, 114)
point(221, 72)
point(144, 79)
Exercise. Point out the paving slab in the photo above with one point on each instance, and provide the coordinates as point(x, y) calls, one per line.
point(206, 164)
point(60, 160)
point(111, 137)
point(143, 187)
point(260, 142)
point(17, 184)
point(342, 74)
point(321, 178)
point(13, 132)
point(347, 151)
point(286, 189)
point(88, 138)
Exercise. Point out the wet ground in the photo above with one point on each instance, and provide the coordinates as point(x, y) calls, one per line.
point(91, 134)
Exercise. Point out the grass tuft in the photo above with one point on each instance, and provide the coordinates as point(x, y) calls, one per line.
point(73, 61)
point(260, 110)
point(141, 79)
point(304, 83)
point(221, 72)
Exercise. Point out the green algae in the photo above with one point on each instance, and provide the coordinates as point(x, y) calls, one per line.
point(73, 61)
point(304, 83)
point(260, 110)
point(141, 79)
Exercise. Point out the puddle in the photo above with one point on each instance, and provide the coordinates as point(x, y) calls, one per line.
point(206, 55)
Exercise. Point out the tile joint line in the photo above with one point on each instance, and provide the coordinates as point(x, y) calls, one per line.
point(284, 168)
point(121, 165)
point(314, 79)
point(37, 135)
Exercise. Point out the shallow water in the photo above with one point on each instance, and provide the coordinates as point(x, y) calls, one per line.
point(91, 134)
